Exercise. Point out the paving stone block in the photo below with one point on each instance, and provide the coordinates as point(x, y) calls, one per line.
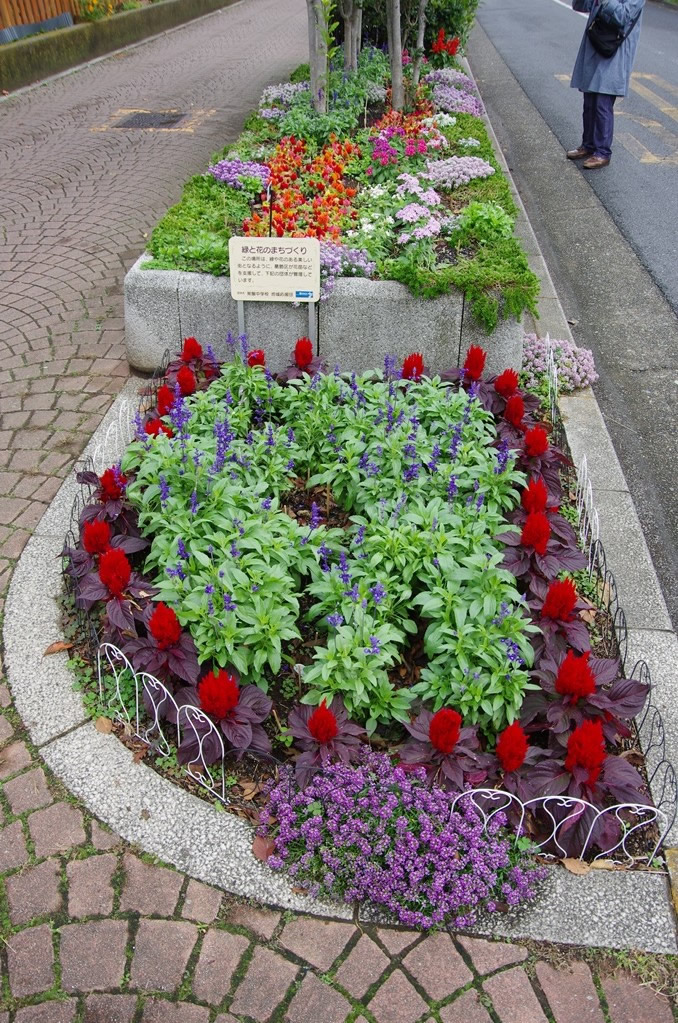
point(34, 892)
point(264, 986)
point(571, 993)
point(13, 852)
point(513, 998)
point(465, 1009)
point(201, 902)
point(160, 1011)
point(93, 955)
point(89, 886)
point(316, 1001)
point(56, 829)
point(5, 698)
point(487, 956)
point(28, 791)
point(102, 839)
point(437, 966)
point(219, 957)
point(362, 968)
point(396, 941)
point(397, 1001)
point(162, 950)
point(261, 922)
point(48, 1012)
point(630, 1002)
point(110, 1008)
point(13, 758)
point(30, 961)
point(319, 942)
point(6, 730)
point(148, 889)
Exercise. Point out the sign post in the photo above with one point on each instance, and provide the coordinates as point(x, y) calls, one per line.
point(275, 270)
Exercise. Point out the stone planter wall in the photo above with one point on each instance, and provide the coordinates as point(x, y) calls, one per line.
point(357, 326)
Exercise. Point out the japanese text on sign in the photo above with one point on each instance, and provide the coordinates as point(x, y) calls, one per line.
point(275, 269)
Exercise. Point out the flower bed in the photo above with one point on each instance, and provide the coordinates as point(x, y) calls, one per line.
point(389, 551)
point(417, 198)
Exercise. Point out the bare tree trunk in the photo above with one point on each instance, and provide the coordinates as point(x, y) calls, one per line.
point(421, 29)
point(317, 54)
point(356, 31)
point(395, 50)
point(347, 10)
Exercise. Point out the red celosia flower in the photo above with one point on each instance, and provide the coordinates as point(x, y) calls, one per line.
point(164, 626)
point(219, 693)
point(474, 363)
point(165, 400)
point(413, 366)
point(506, 383)
point(575, 677)
point(536, 532)
point(536, 442)
point(256, 357)
point(586, 748)
point(96, 536)
point(115, 571)
point(303, 353)
point(439, 44)
point(535, 496)
point(112, 484)
point(514, 411)
point(444, 730)
point(322, 724)
point(452, 46)
point(154, 426)
point(512, 747)
point(186, 380)
point(560, 600)
point(191, 350)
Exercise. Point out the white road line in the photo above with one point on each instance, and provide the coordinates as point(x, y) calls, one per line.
point(582, 14)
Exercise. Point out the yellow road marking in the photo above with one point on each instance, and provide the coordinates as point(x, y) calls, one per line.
point(656, 80)
point(562, 78)
point(637, 149)
point(662, 133)
point(652, 97)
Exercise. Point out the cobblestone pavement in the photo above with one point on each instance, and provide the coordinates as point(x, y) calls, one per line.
point(91, 931)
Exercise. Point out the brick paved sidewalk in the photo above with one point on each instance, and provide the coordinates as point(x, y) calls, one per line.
point(95, 933)
point(90, 932)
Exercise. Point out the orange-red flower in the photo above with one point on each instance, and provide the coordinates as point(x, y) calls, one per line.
point(96, 536)
point(512, 747)
point(256, 357)
point(115, 571)
point(560, 601)
point(536, 532)
point(506, 383)
point(191, 350)
point(322, 724)
point(164, 626)
point(586, 748)
point(474, 363)
point(219, 693)
point(535, 496)
point(303, 353)
point(165, 400)
point(536, 442)
point(186, 380)
point(413, 366)
point(444, 730)
point(575, 677)
point(515, 411)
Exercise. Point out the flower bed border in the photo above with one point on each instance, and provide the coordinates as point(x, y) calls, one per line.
point(361, 322)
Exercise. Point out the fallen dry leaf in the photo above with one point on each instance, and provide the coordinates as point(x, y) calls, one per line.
point(263, 848)
point(104, 725)
point(140, 754)
point(57, 648)
point(249, 789)
point(145, 814)
point(576, 866)
point(604, 865)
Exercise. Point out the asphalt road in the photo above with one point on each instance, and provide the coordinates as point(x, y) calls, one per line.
point(610, 237)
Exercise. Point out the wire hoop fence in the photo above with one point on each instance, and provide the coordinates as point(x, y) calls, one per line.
point(145, 706)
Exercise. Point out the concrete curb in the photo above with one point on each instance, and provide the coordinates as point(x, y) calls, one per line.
point(606, 908)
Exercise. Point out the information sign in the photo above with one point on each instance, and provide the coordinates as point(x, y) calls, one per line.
point(274, 269)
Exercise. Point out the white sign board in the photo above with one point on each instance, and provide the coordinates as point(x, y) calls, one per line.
point(274, 269)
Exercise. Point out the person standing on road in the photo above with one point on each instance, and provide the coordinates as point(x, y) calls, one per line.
point(602, 79)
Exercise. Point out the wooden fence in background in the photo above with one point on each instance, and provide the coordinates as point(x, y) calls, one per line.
point(27, 12)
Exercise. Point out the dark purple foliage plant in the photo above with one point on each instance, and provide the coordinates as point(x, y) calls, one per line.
point(324, 734)
point(449, 753)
